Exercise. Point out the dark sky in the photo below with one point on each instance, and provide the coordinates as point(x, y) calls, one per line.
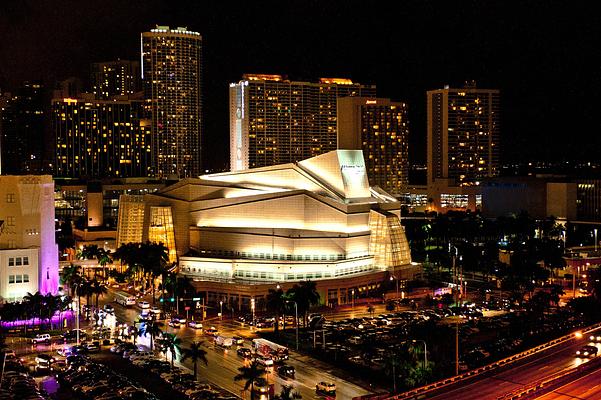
point(543, 55)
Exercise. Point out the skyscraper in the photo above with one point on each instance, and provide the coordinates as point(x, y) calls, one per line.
point(115, 78)
point(380, 128)
point(101, 138)
point(22, 130)
point(274, 120)
point(463, 134)
point(171, 72)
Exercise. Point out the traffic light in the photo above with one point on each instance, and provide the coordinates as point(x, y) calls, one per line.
point(161, 300)
point(172, 299)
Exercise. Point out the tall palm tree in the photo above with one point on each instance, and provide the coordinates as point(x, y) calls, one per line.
point(71, 275)
point(173, 344)
point(34, 303)
point(252, 375)
point(104, 257)
point(306, 296)
point(287, 394)
point(276, 301)
point(97, 288)
point(150, 328)
point(134, 332)
point(196, 354)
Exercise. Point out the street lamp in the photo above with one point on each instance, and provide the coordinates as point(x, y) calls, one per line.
point(76, 313)
point(595, 230)
point(425, 351)
point(295, 319)
point(353, 298)
point(393, 278)
point(252, 307)
point(220, 310)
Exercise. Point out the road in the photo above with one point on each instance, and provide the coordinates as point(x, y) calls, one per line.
point(586, 387)
point(519, 374)
point(223, 364)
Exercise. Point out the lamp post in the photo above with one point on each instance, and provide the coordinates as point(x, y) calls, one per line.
point(252, 307)
point(595, 230)
point(220, 310)
point(393, 278)
point(295, 319)
point(76, 314)
point(353, 298)
point(425, 351)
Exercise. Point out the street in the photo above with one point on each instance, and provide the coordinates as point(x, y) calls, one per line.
point(223, 364)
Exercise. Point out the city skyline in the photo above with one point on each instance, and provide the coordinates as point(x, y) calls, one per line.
point(534, 56)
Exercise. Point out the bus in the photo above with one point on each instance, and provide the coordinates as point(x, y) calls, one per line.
point(124, 298)
point(269, 349)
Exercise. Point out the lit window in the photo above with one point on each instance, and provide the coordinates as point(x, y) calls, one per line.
point(10, 197)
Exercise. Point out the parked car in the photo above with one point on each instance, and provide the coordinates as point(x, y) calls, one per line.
point(155, 310)
point(174, 323)
point(92, 347)
point(41, 338)
point(144, 304)
point(238, 340)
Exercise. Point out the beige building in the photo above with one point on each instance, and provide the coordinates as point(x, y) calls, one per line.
point(28, 251)
point(239, 234)
point(463, 134)
point(380, 128)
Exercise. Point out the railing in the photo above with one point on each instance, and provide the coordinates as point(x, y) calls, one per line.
point(421, 391)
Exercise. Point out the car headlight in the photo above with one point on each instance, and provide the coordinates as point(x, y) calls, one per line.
point(586, 353)
point(578, 352)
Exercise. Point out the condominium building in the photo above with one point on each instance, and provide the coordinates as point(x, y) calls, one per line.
point(115, 78)
point(274, 120)
point(463, 134)
point(171, 73)
point(380, 128)
point(28, 250)
point(101, 138)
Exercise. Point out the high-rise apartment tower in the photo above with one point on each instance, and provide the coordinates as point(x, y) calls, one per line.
point(380, 128)
point(463, 134)
point(171, 72)
point(275, 121)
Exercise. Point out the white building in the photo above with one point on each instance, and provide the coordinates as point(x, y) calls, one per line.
point(238, 234)
point(28, 251)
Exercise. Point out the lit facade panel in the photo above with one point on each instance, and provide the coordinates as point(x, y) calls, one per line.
point(172, 76)
point(388, 243)
point(28, 250)
point(463, 134)
point(130, 223)
point(160, 229)
point(275, 121)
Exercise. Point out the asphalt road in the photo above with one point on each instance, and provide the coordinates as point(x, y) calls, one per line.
point(223, 364)
point(585, 387)
point(519, 374)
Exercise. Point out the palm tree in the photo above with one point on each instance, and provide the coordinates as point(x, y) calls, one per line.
point(288, 394)
point(98, 289)
point(104, 257)
point(276, 301)
point(71, 276)
point(172, 343)
point(34, 303)
point(152, 328)
point(196, 354)
point(252, 375)
point(306, 295)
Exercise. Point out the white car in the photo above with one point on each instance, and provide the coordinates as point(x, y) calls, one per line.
point(144, 304)
point(41, 338)
point(155, 310)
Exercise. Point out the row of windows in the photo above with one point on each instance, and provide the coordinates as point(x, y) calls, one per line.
point(18, 279)
point(18, 261)
point(269, 256)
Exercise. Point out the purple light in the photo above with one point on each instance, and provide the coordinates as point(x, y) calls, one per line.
point(57, 318)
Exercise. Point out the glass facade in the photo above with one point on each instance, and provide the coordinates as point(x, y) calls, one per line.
point(160, 229)
point(388, 243)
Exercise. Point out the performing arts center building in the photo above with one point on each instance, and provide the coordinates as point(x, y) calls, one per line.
point(239, 234)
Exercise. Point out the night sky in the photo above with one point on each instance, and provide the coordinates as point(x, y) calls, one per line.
point(542, 55)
